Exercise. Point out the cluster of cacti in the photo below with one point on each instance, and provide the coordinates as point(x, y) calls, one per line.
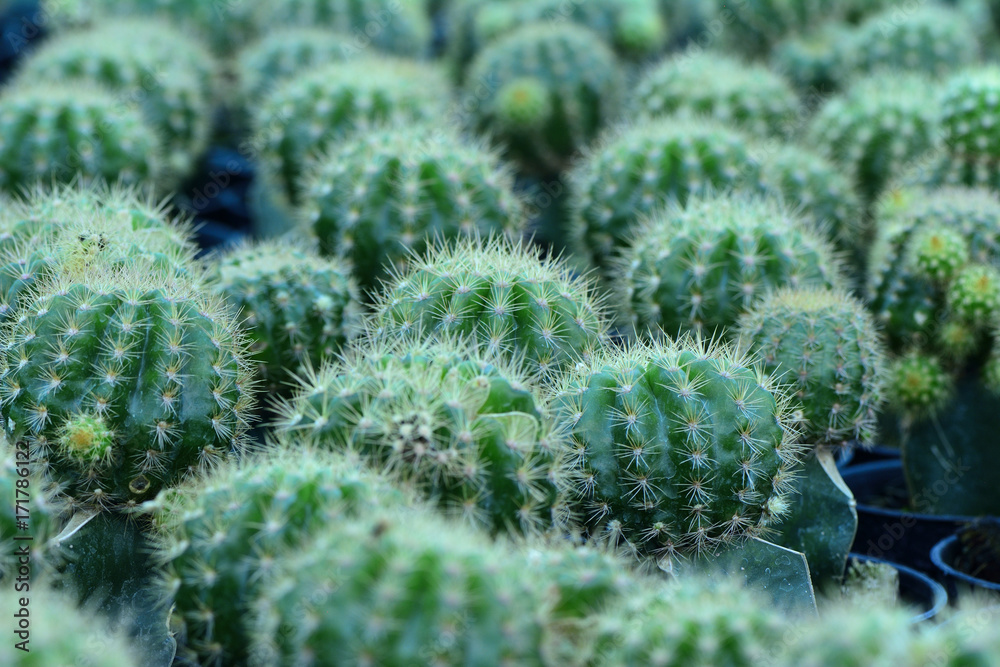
point(378, 199)
point(725, 89)
point(698, 267)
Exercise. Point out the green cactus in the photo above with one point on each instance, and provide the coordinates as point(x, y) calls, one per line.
point(150, 66)
point(399, 27)
point(59, 633)
point(551, 89)
point(974, 294)
point(503, 294)
point(297, 307)
point(877, 127)
point(472, 24)
point(698, 267)
point(381, 197)
point(469, 433)
point(308, 113)
point(813, 61)
point(917, 384)
point(220, 537)
point(123, 381)
point(826, 346)
point(681, 446)
point(634, 29)
point(58, 132)
point(967, 107)
point(633, 172)
point(720, 87)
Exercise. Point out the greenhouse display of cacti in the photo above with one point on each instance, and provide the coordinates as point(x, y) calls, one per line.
point(556, 333)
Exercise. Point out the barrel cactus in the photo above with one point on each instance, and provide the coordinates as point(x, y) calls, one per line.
point(826, 346)
point(380, 198)
point(218, 538)
point(757, 25)
point(681, 446)
point(968, 105)
point(634, 171)
point(551, 89)
point(468, 433)
point(723, 88)
point(698, 267)
point(59, 132)
point(503, 294)
point(297, 308)
point(813, 60)
point(123, 381)
point(918, 384)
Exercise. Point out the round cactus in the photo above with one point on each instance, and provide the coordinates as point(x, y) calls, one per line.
point(932, 39)
point(552, 89)
point(825, 345)
point(917, 383)
point(306, 114)
point(58, 132)
point(698, 267)
point(472, 24)
point(681, 446)
point(149, 66)
point(968, 108)
point(297, 307)
point(879, 125)
point(379, 198)
point(399, 27)
point(505, 296)
point(58, 633)
point(974, 294)
point(725, 89)
point(123, 382)
point(634, 29)
point(813, 61)
point(468, 433)
point(633, 172)
point(219, 537)
point(757, 25)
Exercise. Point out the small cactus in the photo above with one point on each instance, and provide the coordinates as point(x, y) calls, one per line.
point(681, 446)
point(918, 384)
point(467, 432)
point(825, 345)
point(698, 267)
point(505, 296)
point(552, 89)
point(380, 198)
point(296, 307)
point(968, 114)
point(813, 61)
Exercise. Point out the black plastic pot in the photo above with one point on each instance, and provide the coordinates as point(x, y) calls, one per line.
point(884, 530)
point(956, 581)
point(915, 589)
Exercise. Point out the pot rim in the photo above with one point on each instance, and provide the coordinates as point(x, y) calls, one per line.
point(939, 596)
point(937, 557)
point(878, 466)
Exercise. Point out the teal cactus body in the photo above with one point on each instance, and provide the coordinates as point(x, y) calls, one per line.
point(380, 198)
point(304, 116)
point(968, 108)
point(55, 133)
point(757, 25)
point(725, 89)
point(506, 297)
point(551, 90)
point(149, 66)
point(681, 446)
point(633, 172)
point(296, 307)
point(877, 127)
point(467, 432)
point(698, 267)
point(219, 538)
point(123, 382)
point(472, 25)
point(826, 346)
point(813, 61)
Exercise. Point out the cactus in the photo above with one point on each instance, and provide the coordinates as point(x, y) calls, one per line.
point(306, 114)
point(552, 89)
point(917, 384)
point(220, 537)
point(932, 39)
point(681, 446)
point(469, 433)
point(813, 61)
point(875, 128)
point(632, 172)
point(149, 66)
point(698, 267)
point(967, 107)
point(503, 294)
point(56, 632)
point(58, 132)
point(123, 381)
point(825, 344)
point(472, 25)
point(378, 198)
point(725, 89)
point(296, 307)
point(393, 26)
